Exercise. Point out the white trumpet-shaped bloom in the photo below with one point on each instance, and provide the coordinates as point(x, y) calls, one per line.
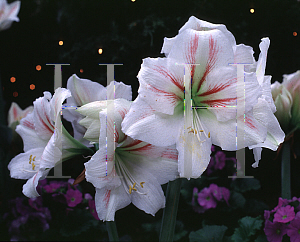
point(85, 91)
point(46, 142)
point(125, 170)
point(8, 13)
point(209, 54)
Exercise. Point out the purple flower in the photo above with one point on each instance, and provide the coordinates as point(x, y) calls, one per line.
point(195, 205)
point(267, 214)
point(284, 214)
point(220, 159)
point(36, 203)
point(88, 196)
point(73, 197)
point(52, 187)
point(226, 194)
point(93, 210)
point(216, 191)
point(293, 229)
point(275, 231)
point(206, 199)
point(210, 167)
point(281, 202)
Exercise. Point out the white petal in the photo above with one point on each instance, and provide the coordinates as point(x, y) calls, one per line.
point(117, 90)
point(85, 91)
point(100, 170)
point(152, 197)
point(93, 132)
point(56, 102)
point(266, 92)
point(201, 25)
point(223, 134)
point(29, 188)
point(52, 154)
point(15, 113)
point(42, 119)
point(257, 156)
point(109, 201)
point(30, 138)
point(275, 135)
point(19, 166)
point(92, 109)
point(200, 153)
point(262, 60)
point(244, 55)
point(161, 162)
point(167, 46)
point(142, 123)
point(161, 84)
point(110, 122)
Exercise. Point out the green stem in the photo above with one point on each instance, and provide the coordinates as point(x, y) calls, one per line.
point(170, 212)
point(286, 171)
point(112, 231)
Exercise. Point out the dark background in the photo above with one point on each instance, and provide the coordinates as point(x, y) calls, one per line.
point(130, 31)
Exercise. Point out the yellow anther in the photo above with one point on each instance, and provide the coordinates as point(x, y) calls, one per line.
point(189, 127)
point(201, 130)
point(33, 158)
point(33, 165)
point(132, 188)
point(30, 159)
point(208, 134)
point(141, 183)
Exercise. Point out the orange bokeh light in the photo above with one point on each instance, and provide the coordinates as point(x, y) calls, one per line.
point(81, 70)
point(38, 67)
point(12, 79)
point(15, 94)
point(60, 42)
point(295, 33)
point(32, 87)
point(100, 51)
point(252, 10)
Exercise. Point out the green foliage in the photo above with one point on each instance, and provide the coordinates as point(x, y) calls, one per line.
point(209, 233)
point(244, 185)
point(237, 200)
point(76, 222)
point(248, 226)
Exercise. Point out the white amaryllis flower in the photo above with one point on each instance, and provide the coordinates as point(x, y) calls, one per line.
point(85, 91)
point(46, 142)
point(125, 170)
point(292, 84)
point(15, 114)
point(157, 115)
point(8, 13)
point(286, 96)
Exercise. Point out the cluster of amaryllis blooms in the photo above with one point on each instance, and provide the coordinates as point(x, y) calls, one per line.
point(141, 144)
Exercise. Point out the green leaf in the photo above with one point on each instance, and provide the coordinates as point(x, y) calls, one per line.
point(255, 206)
point(248, 227)
point(76, 222)
point(209, 233)
point(261, 238)
point(237, 200)
point(244, 185)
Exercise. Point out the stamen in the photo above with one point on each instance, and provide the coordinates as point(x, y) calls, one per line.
point(30, 159)
point(126, 176)
point(132, 188)
point(33, 158)
point(197, 122)
point(33, 165)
